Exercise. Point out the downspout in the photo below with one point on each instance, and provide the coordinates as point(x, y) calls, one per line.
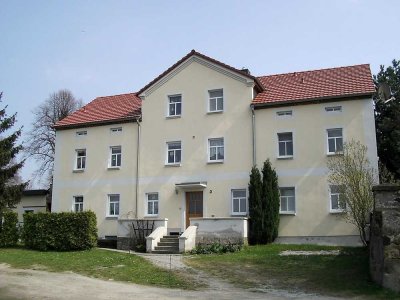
point(137, 167)
point(253, 127)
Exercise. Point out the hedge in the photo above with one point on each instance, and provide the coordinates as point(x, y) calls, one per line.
point(64, 231)
point(9, 233)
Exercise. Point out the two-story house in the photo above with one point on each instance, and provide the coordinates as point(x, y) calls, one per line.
point(182, 147)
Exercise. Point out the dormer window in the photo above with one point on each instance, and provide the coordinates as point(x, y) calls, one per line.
point(174, 106)
point(216, 100)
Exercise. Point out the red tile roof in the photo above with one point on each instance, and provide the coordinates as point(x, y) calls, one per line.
point(318, 84)
point(109, 109)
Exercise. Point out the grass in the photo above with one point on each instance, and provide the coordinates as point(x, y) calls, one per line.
point(96, 263)
point(261, 267)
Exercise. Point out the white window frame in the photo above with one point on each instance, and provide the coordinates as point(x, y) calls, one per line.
point(115, 203)
point(331, 209)
point(169, 115)
point(153, 201)
point(116, 155)
point(81, 133)
point(335, 138)
point(216, 160)
point(79, 204)
point(80, 161)
point(240, 199)
point(287, 212)
point(333, 109)
point(217, 99)
point(285, 142)
point(116, 130)
point(175, 162)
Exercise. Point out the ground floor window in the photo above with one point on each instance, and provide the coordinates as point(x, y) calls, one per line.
point(113, 205)
point(152, 204)
point(288, 200)
point(336, 202)
point(78, 204)
point(239, 200)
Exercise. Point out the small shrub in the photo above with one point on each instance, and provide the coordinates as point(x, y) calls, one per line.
point(217, 248)
point(64, 231)
point(9, 232)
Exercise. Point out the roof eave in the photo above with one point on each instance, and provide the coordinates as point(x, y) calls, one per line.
point(99, 123)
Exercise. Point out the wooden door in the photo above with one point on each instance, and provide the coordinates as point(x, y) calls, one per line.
point(194, 206)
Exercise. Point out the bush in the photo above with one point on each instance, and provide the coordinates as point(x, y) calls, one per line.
point(9, 233)
point(216, 247)
point(60, 231)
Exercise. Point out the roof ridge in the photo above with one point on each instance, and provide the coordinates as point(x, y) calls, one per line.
point(123, 94)
point(314, 70)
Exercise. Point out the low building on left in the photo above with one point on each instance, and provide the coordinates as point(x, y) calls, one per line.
point(33, 201)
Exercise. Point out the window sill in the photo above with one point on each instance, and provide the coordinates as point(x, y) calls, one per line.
point(173, 117)
point(78, 170)
point(338, 211)
point(239, 214)
point(173, 165)
point(114, 168)
point(288, 213)
point(150, 216)
point(112, 217)
point(215, 112)
point(215, 162)
point(334, 154)
point(285, 157)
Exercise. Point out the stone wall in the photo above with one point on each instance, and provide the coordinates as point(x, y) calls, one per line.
point(385, 237)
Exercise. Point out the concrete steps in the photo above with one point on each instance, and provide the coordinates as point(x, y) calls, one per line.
point(168, 244)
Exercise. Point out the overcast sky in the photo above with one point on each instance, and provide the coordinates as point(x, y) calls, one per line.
point(98, 48)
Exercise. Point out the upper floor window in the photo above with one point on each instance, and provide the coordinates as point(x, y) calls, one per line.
point(283, 113)
point(116, 155)
point(78, 204)
point(174, 105)
point(285, 144)
point(288, 200)
point(239, 200)
point(335, 140)
point(116, 130)
point(174, 151)
point(333, 109)
point(337, 204)
point(152, 204)
point(216, 100)
point(81, 133)
point(216, 150)
point(80, 159)
point(113, 205)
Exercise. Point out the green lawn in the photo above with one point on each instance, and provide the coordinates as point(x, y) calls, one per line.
point(95, 263)
point(261, 267)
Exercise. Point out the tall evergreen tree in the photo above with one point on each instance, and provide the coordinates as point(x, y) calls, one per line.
point(387, 119)
point(270, 203)
point(10, 191)
point(255, 207)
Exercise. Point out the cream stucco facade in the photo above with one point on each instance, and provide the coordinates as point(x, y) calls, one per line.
point(139, 186)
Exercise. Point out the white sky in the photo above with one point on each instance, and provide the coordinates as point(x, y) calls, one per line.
point(98, 48)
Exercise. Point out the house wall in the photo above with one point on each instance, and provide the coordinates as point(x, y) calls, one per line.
point(193, 129)
point(307, 170)
point(97, 180)
point(30, 203)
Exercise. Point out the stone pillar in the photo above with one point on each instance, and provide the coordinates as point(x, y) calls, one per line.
point(384, 258)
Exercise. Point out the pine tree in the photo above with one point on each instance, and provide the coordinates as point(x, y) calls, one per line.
point(10, 191)
point(270, 203)
point(255, 207)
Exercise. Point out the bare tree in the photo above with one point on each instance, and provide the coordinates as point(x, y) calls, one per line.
point(40, 143)
point(354, 176)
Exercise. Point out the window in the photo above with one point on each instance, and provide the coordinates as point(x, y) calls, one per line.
point(113, 205)
point(287, 201)
point(336, 203)
point(239, 198)
point(116, 130)
point(81, 133)
point(78, 204)
point(216, 100)
point(333, 109)
point(285, 144)
point(174, 151)
point(152, 204)
point(216, 150)
point(81, 159)
point(174, 105)
point(115, 159)
point(284, 113)
point(335, 140)
point(29, 211)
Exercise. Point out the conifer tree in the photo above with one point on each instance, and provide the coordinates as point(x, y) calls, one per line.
point(10, 191)
point(255, 207)
point(270, 203)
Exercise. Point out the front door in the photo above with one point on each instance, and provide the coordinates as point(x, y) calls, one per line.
point(194, 206)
